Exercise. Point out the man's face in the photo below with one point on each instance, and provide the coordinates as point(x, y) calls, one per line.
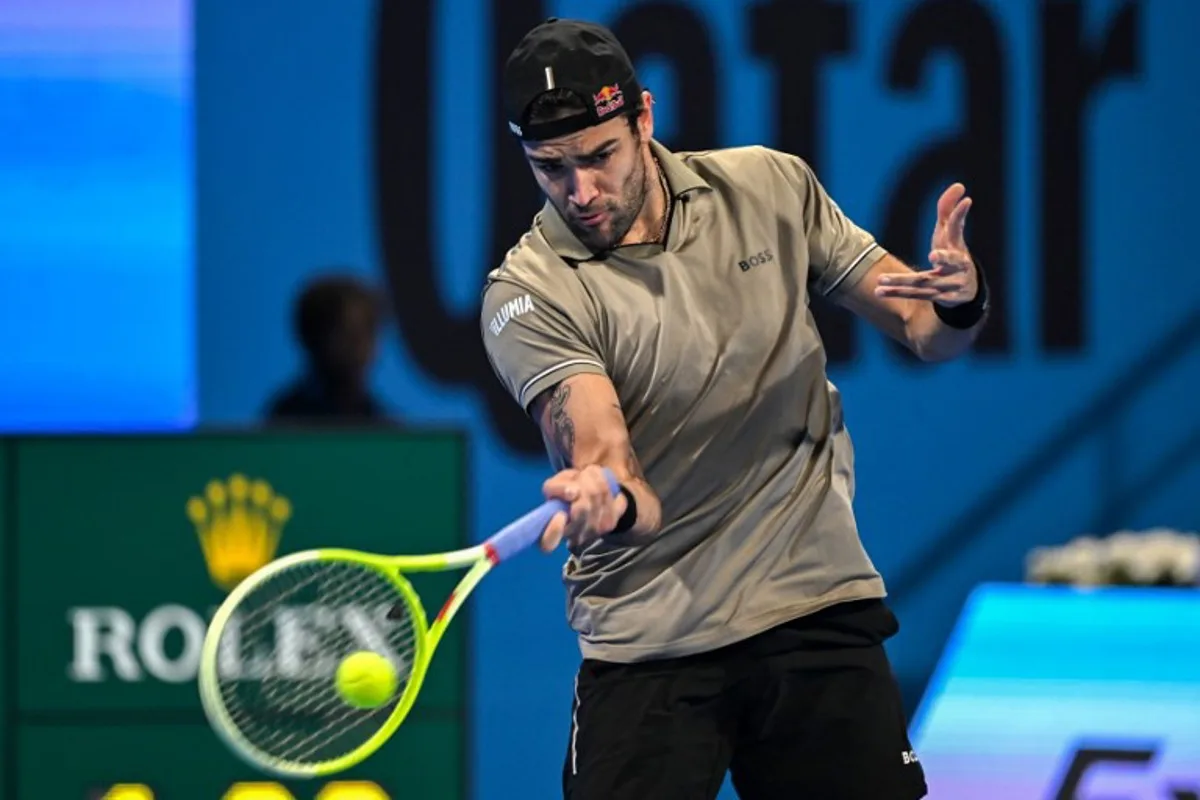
point(596, 178)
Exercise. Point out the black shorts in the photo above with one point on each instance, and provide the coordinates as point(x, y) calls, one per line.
point(808, 710)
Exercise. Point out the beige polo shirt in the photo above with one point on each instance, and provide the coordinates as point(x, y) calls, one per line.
point(721, 375)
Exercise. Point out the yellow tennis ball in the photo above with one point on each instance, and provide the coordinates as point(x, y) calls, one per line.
point(365, 679)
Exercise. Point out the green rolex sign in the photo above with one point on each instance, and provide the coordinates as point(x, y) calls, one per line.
point(119, 549)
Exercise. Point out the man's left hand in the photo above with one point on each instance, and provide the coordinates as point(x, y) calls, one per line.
point(951, 279)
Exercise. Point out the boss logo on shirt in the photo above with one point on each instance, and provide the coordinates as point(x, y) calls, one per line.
point(513, 308)
point(764, 257)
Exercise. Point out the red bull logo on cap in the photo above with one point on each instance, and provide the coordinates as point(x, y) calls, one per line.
point(608, 100)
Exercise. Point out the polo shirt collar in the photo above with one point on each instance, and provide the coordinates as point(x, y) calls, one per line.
point(680, 178)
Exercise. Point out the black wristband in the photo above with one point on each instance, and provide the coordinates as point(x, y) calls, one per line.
point(968, 314)
point(629, 518)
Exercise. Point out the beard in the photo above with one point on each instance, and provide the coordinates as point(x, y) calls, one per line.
point(621, 214)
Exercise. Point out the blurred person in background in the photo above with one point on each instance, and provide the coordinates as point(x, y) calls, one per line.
point(336, 321)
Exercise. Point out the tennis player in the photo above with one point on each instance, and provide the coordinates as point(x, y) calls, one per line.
point(655, 320)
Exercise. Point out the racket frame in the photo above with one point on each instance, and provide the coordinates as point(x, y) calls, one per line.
point(478, 560)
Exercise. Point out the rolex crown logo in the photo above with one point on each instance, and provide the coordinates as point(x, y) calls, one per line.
point(239, 523)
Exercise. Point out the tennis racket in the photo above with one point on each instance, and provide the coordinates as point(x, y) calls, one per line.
point(272, 650)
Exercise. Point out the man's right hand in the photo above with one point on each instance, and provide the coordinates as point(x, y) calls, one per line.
point(593, 512)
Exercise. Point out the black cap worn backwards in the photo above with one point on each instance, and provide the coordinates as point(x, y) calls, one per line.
point(580, 57)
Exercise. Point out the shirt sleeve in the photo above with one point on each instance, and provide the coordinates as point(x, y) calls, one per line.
point(839, 251)
point(533, 343)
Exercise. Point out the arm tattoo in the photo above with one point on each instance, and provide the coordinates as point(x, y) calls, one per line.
point(563, 429)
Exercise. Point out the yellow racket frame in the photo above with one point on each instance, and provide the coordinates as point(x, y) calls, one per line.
point(426, 639)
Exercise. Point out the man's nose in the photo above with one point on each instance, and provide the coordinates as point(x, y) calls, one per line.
point(583, 188)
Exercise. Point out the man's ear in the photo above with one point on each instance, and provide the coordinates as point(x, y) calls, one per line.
point(646, 116)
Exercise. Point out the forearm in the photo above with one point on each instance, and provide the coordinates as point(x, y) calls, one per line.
point(931, 339)
point(582, 425)
point(902, 303)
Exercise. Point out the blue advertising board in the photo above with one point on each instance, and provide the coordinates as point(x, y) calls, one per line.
point(96, 250)
point(1063, 693)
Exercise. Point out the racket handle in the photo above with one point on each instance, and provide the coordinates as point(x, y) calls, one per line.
point(523, 532)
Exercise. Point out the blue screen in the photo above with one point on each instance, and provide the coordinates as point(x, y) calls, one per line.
point(96, 298)
point(1043, 689)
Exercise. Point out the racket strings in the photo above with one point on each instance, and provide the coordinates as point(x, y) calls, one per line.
point(278, 661)
point(307, 748)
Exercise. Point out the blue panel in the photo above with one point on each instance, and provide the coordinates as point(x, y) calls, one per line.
point(1036, 679)
point(96, 307)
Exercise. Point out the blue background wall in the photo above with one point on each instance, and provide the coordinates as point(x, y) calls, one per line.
point(962, 467)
